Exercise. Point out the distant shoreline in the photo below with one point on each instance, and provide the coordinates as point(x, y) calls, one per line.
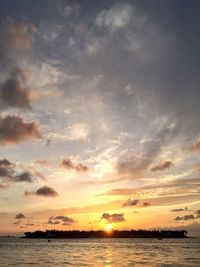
point(103, 234)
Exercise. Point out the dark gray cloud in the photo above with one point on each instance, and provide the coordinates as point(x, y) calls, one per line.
point(6, 168)
point(185, 217)
point(24, 177)
point(53, 222)
point(9, 173)
point(180, 209)
point(15, 40)
point(44, 191)
point(6, 172)
point(64, 219)
point(14, 129)
point(113, 218)
point(130, 202)
point(14, 92)
point(162, 166)
point(5, 163)
point(69, 165)
point(20, 216)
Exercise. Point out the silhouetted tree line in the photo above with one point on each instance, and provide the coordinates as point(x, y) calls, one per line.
point(103, 234)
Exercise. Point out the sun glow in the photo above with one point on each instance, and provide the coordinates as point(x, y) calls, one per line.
point(108, 227)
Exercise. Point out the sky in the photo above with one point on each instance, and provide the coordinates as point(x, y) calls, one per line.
point(99, 115)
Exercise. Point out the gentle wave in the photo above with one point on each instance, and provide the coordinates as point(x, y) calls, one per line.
point(99, 252)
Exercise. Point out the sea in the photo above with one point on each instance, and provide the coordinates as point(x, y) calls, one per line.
point(99, 252)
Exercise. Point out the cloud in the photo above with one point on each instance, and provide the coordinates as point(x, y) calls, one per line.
point(5, 163)
point(16, 39)
point(24, 177)
point(69, 165)
point(17, 36)
point(162, 166)
point(118, 16)
point(64, 219)
point(20, 216)
point(4, 172)
point(69, 8)
point(14, 92)
point(180, 184)
point(134, 165)
point(198, 214)
point(6, 168)
point(134, 202)
point(3, 186)
point(197, 168)
point(118, 192)
point(196, 146)
point(14, 129)
point(55, 222)
point(180, 209)
point(130, 202)
point(78, 131)
point(12, 173)
point(113, 218)
point(185, 217)
point(44, 191)
point(43, 162)
point(146, 204)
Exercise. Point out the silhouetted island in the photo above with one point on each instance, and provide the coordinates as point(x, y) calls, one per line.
point(102, 234)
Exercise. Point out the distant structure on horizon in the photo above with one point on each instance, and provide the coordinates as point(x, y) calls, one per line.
point(111, 234)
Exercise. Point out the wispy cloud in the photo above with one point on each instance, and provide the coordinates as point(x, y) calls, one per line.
point(179, 209)
point(163, 165)
point(135, 165)
point(185, 217)
point(130, 202)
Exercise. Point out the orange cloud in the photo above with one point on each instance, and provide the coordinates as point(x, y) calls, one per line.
point(196, 146)
point(18, 35)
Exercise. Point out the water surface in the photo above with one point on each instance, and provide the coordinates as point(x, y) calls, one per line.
point(99, 252)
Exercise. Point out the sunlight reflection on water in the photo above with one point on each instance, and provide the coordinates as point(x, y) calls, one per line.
point(99, 252)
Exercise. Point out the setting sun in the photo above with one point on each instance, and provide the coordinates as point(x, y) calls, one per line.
point(108, 227)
